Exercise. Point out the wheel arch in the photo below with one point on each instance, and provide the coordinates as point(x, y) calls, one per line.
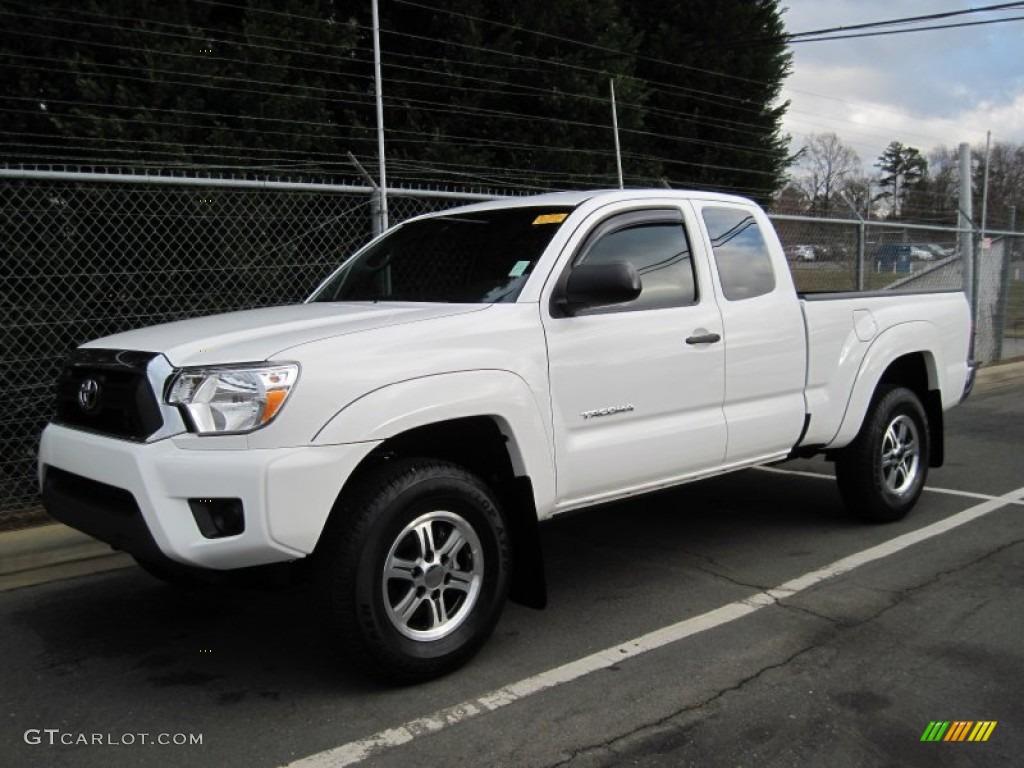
point(484, 445)
point(917, 372)
point(887, 365)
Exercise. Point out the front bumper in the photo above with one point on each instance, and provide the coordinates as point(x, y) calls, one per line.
point(135, 496)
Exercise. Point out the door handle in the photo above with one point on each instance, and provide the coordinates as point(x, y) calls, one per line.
point(704, 338)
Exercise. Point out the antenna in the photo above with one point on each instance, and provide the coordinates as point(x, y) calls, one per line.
point(615, 127)
point(380, 120)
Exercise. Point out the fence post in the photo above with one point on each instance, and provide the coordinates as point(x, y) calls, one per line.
point(966, 226)
point(1002, 306)
point(861, 242)
point(862, 236)
point(375, 213)
point(376, 197)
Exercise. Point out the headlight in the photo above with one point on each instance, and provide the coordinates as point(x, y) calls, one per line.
point(232, 398)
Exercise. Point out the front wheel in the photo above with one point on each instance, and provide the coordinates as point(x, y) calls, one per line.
point(414, 569)
point(882, 472)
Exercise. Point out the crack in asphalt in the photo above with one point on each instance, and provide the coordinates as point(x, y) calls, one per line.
point(838, 628)
point(724, 577)
point(938, 575)
point(662, 721)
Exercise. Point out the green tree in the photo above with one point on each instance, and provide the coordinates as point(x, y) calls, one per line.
point(511, 90)
point(513, 95)
point(902, 170)
point(174, 84)
point(715, 70)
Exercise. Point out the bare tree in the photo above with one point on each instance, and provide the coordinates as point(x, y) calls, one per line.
point(1005, 182)
point(856, 188)
point(943, 183)
point(791, 199)
point(824, 163)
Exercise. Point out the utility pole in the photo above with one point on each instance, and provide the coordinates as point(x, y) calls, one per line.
point(380, 120)
point(615, 128)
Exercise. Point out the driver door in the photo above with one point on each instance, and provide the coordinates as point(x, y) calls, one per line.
point(637, 388)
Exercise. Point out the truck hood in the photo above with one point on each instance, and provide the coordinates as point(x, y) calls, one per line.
point(258, 334)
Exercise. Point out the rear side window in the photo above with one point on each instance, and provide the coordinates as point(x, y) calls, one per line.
point(741, 253)
point(659, 251)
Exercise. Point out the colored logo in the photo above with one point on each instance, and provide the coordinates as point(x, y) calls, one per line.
point(89, 395)
point(958, 730)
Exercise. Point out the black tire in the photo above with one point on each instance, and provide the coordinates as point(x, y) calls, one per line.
point(882, 472)
point(438, 531)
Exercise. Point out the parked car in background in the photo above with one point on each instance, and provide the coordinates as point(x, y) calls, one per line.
point(804, 253)
point(921, 253)
point(941, 251)
point(837, 253)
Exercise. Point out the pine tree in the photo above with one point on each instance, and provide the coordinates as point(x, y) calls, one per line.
point(716, 70)
point(901, 171)
point(512, 95)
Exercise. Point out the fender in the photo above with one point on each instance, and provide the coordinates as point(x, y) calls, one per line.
point(895, 342)
point(503, 395)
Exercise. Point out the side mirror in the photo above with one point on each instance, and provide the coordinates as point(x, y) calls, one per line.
point(591, 284)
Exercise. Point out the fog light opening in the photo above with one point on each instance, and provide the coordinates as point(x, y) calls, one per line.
point(217, 518)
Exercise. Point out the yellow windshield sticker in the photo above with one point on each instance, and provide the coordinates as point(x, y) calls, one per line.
point(550, 218)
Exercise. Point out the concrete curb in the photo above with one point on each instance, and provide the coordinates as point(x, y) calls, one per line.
point(999, 376)
point(54, 552)
point(50, 553)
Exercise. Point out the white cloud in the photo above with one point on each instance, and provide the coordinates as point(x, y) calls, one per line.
point(924, 89)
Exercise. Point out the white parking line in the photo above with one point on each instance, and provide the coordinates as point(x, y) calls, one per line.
point(357, 751)
point(929, 488)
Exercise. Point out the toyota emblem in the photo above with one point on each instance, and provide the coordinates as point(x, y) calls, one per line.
point(89, 395)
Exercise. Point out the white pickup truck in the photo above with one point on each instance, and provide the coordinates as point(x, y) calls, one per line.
point(472, 372)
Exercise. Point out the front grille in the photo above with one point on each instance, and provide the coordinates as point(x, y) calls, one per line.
point(106, 391)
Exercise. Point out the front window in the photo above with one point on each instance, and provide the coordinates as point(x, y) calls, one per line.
point(480, 257)
point(660, 252)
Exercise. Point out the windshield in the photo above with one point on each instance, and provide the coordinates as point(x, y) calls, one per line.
point(476, 258)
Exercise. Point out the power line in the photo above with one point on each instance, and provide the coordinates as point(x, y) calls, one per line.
point(717, 98)
point(888, 32)
point(904, 20)
point(580, 43)
point(182, 79)
point(692, 93)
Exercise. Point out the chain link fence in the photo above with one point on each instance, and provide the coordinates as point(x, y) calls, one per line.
point(835, 255)
point(86, 255)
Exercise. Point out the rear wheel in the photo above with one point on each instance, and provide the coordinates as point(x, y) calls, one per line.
point(882, 472)
point(414, 569)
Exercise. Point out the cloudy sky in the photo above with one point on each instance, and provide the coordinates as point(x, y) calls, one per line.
point(923, 88)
